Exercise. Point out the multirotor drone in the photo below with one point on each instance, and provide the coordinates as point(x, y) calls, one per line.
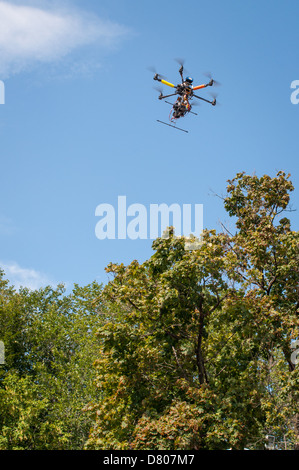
point(185, 92)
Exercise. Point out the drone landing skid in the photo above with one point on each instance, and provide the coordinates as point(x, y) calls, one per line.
point(170, 125)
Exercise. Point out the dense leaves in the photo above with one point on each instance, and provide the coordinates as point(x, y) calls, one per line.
point(198, 354)
point(192, 349)
point(47, 378)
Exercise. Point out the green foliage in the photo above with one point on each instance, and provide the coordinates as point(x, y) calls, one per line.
point(196, 351)
point(48, 377)
point(188, 350)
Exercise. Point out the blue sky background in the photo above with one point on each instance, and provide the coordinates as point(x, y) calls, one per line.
point(79, 125)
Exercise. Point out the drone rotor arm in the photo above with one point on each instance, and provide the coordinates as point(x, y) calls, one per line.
point(213, 103)
point(181, 71)
point(167, 83)
point(199, 87)
point(162, 97)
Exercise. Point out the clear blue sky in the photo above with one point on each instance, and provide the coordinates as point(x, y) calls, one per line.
point(79, 128)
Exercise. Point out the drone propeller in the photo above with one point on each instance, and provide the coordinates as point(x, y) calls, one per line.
point(214, 96)
point(209, 75)
point(181, 62)
point(159, 90)
point(154, 71)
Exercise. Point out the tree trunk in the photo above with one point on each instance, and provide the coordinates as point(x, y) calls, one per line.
point(202, 373)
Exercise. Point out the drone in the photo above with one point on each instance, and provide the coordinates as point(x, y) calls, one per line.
point(185, 92)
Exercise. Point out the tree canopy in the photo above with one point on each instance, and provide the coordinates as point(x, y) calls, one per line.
point(198, 353)
point(192, 349)
point(47, 378)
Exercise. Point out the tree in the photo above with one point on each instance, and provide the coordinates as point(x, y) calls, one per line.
point(265, 262)
point(191, 349)
point(186, 350)
point(48, 377)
